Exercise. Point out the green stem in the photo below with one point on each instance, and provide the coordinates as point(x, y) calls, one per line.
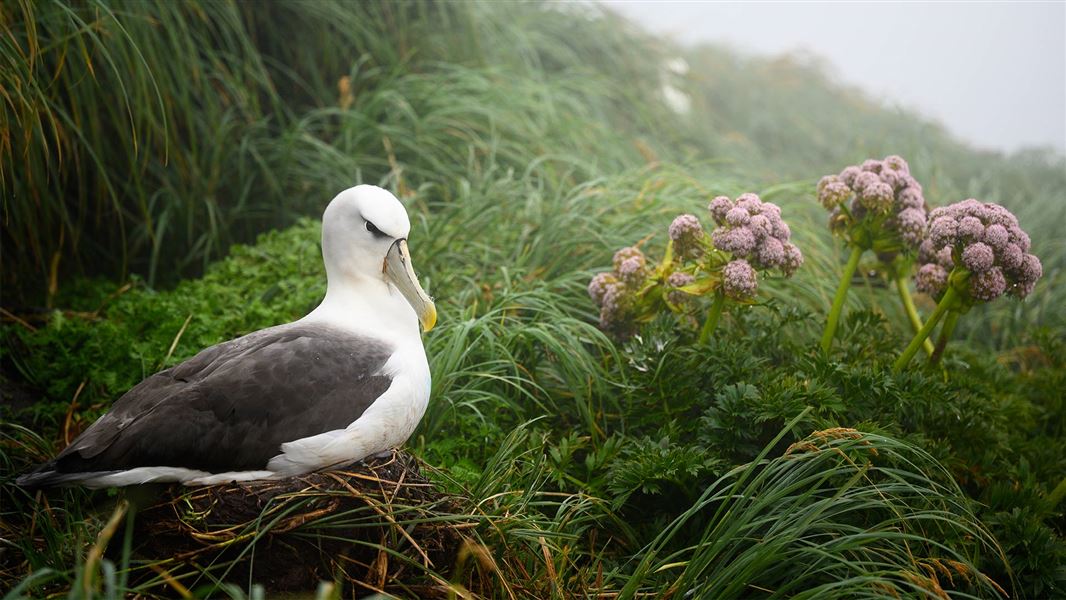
point(912, 311)
point(945, 335)
point(946, 302)
point(838, 300)
point(712, 317)
point(1056, 496)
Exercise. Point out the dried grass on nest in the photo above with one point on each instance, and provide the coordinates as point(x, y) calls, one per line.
point(379, 525)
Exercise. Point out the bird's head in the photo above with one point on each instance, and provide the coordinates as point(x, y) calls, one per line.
point(364, 238)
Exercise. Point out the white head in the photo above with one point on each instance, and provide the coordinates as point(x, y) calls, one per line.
point(364, 246)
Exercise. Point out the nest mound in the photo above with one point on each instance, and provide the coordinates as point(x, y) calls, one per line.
point(374, 525)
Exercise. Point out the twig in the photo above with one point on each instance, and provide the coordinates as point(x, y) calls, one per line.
point(373, 505)
point(17, 319)
point(97, 551)
point(70, 412)
point(550, 565)
point(174, 583)
point(177, 338)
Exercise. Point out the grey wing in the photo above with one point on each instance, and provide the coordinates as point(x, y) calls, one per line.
point(144, 397)
point(230, 407)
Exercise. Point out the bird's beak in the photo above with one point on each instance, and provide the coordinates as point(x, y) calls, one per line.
point(398, 270)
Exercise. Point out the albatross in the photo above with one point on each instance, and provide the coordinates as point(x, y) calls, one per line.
point(348, 381)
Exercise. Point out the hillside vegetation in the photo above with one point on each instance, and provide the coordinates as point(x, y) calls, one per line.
point(528, 142)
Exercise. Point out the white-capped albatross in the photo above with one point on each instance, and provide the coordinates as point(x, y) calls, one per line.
point(347, 381)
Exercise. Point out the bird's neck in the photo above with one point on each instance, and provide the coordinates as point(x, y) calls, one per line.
point(368, 306)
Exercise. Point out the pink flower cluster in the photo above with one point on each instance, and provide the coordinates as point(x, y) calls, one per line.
point(983, 238)
point(877, 187)
point(613, 291)
point(750, 236)
point(754, 233)
point(739, 280)
point(687, 234)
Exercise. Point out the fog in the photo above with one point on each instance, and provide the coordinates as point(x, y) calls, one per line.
point(994, 74)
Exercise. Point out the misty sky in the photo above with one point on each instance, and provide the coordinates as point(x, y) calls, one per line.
point(994, 73)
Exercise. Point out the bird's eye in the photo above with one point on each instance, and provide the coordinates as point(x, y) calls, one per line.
point(374, 230)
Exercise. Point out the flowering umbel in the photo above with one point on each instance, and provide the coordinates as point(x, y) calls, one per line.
point(985, 240)
point(753, 231)
point(686, 234)
point(875, 206)
point(615, 292)
point(750, 237)
point(974, 252)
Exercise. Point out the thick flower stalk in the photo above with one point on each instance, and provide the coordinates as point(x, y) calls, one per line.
point(974, 252)
point(875, 206)
point(750, 238)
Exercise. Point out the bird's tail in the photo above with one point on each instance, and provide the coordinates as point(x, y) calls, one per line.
point(46, 476)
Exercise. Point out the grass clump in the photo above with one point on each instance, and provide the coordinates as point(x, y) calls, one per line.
point(153, 136)
point(117, 152)
point(838, 514)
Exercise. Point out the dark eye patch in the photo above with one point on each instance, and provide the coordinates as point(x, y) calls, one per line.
point(374, 230)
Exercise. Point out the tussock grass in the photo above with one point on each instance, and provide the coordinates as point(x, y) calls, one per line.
point(113, 147)
point(133, 158)
point(838, 514)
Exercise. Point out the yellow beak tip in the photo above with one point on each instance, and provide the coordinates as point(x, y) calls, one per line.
point(429, 318)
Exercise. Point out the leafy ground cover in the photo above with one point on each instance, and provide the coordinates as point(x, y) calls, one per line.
point(528, 145)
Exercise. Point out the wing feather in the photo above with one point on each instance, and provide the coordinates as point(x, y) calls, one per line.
point(230, 407)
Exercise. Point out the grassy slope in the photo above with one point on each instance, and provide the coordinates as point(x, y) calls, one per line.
point(526, 154)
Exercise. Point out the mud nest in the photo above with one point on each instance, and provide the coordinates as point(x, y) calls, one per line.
point(378, 525)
